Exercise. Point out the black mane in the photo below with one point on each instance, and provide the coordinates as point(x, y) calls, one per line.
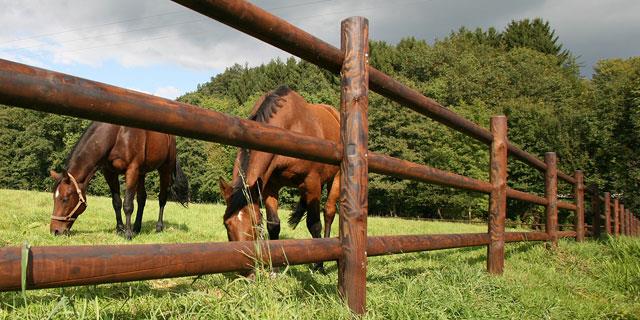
point(90, 130)
point(270, 105)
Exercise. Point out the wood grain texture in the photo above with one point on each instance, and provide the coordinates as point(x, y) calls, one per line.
point(616, 217)
point(621, 218)
point(354, 177)
point(498, 198)
point(607, 213)
point(551, 193)
point(595, 211)
point(579, 190)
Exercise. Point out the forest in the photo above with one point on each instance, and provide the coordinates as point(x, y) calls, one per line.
point(522, 71)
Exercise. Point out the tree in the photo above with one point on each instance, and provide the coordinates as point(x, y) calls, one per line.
point(535, 34)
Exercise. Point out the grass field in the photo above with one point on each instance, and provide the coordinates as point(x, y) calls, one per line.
point(593, 280)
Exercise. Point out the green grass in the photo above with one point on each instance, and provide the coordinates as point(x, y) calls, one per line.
point(592, 280)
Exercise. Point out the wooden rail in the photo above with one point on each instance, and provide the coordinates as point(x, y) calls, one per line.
point(39, 89)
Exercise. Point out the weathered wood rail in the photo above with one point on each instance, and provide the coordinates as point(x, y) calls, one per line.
point(38, 89)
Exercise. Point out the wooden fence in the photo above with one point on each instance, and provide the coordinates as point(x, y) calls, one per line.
point(56, 266)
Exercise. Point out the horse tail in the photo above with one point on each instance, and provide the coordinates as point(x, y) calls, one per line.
point(179, 190)
point(298, 214)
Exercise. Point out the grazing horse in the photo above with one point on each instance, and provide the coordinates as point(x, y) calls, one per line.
point(260, 175)
point(117, 150)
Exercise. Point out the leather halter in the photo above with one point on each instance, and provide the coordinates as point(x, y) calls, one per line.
point(81, 198)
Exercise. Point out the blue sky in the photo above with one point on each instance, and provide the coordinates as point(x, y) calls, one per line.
point(159, 47)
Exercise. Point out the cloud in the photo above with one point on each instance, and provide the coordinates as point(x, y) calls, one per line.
point(168, 92)
point(151, 32)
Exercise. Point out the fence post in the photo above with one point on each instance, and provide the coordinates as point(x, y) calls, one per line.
point(354, 134)
point(622, 219)
point(579, 190)
point(626, 222)
point(633, 224)
point(616, 217)
point(595, 210)
point(498, 200)
point(607, 213)
point(551, 193)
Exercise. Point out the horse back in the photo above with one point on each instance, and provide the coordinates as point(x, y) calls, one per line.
point(147, 150)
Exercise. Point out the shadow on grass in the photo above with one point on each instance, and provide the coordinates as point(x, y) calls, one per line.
point(114, 293)
point(149, 227)
point(308, 283)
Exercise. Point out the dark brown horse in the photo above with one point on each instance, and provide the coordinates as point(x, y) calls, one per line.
point(117, 150)
point(260, 175)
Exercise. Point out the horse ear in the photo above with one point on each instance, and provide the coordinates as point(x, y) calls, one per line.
point(54, 175)
point(225, 188)
point(65, 176)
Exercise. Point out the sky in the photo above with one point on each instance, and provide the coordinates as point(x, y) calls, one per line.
point(162, 48)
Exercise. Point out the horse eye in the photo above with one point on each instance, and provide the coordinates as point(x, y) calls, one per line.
point(65, 199)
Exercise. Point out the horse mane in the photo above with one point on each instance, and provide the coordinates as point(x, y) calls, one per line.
point(83, 138)
point(270, 105)
point(268, 108)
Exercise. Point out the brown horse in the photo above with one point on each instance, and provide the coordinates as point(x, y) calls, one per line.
point(117, 150)
point(264, 174)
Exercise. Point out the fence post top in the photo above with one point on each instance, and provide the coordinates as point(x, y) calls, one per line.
point(357, 19)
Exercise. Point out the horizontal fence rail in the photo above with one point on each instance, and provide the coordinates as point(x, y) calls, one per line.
point(38, 89)
point(60, 266)
point(263, 25)
point(49, 91)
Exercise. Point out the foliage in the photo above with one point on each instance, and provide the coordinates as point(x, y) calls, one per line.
point(522, 72)
point(611, 134)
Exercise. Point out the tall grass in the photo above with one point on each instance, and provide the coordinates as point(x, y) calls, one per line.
point(592, 280)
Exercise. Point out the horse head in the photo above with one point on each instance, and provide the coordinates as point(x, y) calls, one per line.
point(242, 217)
point(68, 202)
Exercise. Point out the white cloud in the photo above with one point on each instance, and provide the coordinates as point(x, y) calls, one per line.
point(152, 32)
point(168, 92)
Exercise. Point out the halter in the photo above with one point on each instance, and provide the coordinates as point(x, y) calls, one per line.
point(69, 217)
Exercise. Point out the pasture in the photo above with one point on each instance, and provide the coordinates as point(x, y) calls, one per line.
point(592, 280)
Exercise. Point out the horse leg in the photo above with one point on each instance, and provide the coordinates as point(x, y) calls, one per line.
point(165, 184)
point(312, 196)
point(116, 201)
point(273, 221)
point(142, 200)
point(131, 179)
point(330, 207)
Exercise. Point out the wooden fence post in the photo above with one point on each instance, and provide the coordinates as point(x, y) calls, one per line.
point(616, 217)
point(595, 211)
point(354, 177)
point(626, 222)
point(579, 190)
point(622, 226)
point(551, 193)
point(607, 213)
point(498, 199)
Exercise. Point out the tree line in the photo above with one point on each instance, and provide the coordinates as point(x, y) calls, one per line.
point(521, 71)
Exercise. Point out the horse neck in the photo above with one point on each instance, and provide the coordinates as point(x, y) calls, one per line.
point(84, 160)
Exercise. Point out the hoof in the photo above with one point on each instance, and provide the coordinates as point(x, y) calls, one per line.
point(136, 229)
point(120, 229)
point(159, 227)
point(128, 235)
